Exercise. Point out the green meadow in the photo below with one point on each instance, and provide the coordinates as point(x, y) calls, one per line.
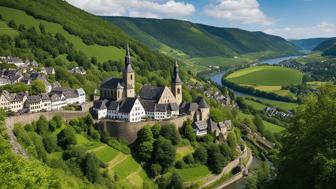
point(266, 76)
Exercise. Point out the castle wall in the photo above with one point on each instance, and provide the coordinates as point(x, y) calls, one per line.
point(128, 131)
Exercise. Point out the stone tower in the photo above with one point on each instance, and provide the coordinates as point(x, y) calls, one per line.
point(177, 85)
point(129, 75)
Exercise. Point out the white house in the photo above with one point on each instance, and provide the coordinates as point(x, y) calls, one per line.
point(129, 109)
point(81, 96)
point(100, 109)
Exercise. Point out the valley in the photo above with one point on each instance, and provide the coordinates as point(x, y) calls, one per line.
point(91, 100)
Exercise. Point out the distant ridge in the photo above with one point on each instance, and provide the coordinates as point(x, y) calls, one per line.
point(308, 44)
point(198, 40)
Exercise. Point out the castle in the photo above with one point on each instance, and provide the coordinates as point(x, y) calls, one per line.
point(118, 100)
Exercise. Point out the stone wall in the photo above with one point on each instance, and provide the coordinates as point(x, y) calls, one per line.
point(128, 131)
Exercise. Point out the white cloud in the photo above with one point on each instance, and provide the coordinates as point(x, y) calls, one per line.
point(323, 29)
point(136, 8)
point(245, 11)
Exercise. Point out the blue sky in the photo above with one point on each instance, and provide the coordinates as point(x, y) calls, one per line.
point(287, 18)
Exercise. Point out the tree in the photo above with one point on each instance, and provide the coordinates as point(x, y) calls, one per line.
point(156, 130)
point(175, 182)
point(216, 160)
point(144, 150)
point(42, 28)
point(201, 155)
point(145, 134)
point(232, 140)
point(188, 132)
point(42, 126)
point(66, 138)
point(50, 143)
point(38, 87)
point(22, 27)
point(164, 153)
point(52, 125)
point(90, 167)
point(155, 169)
point(12, 24)
point(189, 159)
point(308, 153)
point(59, 120)
point(170, 132)
point(94, 60)
point(258, 122)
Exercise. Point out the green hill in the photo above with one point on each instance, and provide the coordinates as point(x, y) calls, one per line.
point(328, 47)
point(308, 44)
point(57, 34)
point(197, 40)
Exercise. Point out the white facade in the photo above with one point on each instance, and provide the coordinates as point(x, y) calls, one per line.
point(59, 103)
point(81, 96)
point(136, 114)
point(101, 113)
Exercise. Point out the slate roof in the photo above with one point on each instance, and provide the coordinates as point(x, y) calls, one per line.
point(129, 68)
point(111, 83)
point(127, 104)
point(149, 92)
point(148, 105)
point(70, 94)
point(173, 107)
point(201, 103)
point(200, 125)
point(55, 97)
point(213, 126)
point(100, 104)
point(33, 99)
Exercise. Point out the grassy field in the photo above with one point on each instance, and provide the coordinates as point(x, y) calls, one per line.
point(103, 53)
point(268, 126)
point(4, 29)
point(194, 173)
point(128, 171)
point(256, 105)
point(183, 151)
point(106, 153)
point(266, 76)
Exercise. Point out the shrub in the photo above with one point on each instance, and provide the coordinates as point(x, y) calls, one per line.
point(52, 125)
point(201, 155)
point(156, 130)
point(116, 144)
point(155, 169)
point(170, 132)
point(50, 143)
point(42, 126)
point(180, 164)
point(189, 159)
point(12, 24)
point(66, 138)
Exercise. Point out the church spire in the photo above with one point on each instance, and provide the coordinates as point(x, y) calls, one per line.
point(128, 62)
point(176, 76)
point(128, 56)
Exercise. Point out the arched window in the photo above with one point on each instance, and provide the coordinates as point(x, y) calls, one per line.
point(178, 91)
point(131, 76)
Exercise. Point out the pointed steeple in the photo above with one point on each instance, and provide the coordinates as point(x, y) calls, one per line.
point(128, 62)
point(176, 76)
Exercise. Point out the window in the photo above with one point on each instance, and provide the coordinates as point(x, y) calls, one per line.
point(178, 91)
point(131, 76)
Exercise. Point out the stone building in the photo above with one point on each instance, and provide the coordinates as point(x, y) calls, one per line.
point(153, 102)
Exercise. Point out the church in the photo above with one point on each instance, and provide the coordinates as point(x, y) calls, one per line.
point(118, 100)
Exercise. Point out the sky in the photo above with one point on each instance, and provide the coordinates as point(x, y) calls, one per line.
point(291, 19)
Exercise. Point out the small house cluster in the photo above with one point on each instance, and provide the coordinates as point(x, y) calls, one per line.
point(273, 111)
point(55, 100)
point(25, 71)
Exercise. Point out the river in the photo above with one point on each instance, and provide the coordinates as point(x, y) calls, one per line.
point(217, 78)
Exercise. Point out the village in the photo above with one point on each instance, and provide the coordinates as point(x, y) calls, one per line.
point(15, 70)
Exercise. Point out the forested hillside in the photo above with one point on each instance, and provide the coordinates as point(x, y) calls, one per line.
point(57, 34)
point(328, 47)
point(197, 40)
